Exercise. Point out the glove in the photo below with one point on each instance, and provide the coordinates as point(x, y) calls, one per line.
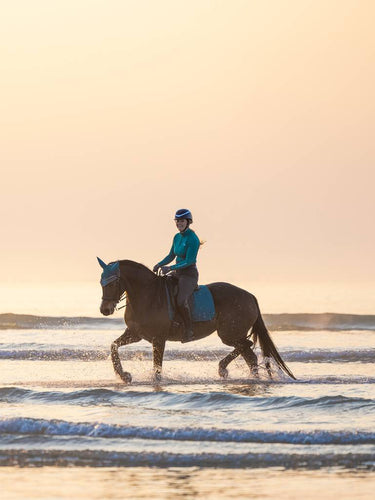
point(156, 268)
point(165, 270)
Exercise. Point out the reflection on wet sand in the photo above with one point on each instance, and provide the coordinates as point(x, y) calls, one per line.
point(182, 483)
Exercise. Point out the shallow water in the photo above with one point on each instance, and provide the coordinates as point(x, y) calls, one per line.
point(65, 417)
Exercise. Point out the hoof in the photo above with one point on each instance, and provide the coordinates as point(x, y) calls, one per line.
point(126, 377)
point(223, 372)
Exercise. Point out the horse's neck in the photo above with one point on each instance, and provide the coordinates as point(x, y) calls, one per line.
point(139, 281)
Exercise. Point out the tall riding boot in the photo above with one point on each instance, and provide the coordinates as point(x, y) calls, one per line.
point(188, 323)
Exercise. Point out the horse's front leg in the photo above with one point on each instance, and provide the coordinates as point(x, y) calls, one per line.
point(158, 346)
point(128, 337)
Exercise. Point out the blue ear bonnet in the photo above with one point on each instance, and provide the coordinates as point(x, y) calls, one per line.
point(110, 273)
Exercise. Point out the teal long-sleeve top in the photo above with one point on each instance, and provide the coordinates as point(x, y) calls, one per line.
point(184, 249)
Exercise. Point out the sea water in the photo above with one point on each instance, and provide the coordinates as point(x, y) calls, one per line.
point(70, 429)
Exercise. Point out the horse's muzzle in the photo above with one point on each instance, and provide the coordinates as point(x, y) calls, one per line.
point(107, 308)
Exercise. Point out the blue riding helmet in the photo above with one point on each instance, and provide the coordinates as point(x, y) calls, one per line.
point(184, 213)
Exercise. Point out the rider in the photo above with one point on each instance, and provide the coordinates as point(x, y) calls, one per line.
point(185, 248)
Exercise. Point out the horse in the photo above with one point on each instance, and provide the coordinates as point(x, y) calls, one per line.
point(147, 317)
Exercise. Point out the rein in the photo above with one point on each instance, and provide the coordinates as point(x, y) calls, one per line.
point(123, 297)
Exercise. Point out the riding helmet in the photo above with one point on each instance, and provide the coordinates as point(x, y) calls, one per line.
point(184, 213)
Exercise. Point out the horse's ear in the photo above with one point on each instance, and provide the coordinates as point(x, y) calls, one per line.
point(102, 263)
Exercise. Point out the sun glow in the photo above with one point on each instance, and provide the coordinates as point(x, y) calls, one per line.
point(254, 115)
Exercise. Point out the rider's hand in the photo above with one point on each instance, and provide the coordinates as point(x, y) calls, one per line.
point(165, 269)
point(156, 268)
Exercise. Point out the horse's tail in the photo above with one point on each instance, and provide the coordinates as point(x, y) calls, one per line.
point(260, 332)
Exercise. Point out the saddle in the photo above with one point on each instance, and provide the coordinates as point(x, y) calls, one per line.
point(201, 303)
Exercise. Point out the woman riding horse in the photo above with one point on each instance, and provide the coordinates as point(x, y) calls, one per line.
point(184, 249)
point(147, 318)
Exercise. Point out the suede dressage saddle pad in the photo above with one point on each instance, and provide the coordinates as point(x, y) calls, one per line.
point(201, 304)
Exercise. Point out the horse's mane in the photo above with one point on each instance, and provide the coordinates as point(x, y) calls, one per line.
point(137, 265)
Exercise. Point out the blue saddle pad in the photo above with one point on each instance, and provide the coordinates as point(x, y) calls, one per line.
point(203, 304)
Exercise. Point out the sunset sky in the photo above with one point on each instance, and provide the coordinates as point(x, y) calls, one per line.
point(257, 115)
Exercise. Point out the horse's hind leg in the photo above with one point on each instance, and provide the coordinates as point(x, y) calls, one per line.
point(223, 372)
point(244, 346)
point(128, 337)
point(268, 368)
point(158, 346)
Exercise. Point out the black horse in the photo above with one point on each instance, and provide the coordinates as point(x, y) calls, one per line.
point(147, 317)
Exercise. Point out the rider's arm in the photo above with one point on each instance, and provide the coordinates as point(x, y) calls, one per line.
point(191, 254)
point(167, 259)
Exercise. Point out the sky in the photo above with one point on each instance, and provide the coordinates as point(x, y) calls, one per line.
point(258, 116)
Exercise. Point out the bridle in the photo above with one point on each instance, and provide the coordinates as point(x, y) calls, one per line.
point(119, 297)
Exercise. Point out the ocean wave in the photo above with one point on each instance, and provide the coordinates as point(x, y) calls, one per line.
point(330, 355)
point(31, 426)
point(50, 354)
point(320, 321)
point(10, 321)
point(276, 322)
point(216, 399)
point(101, 458)
point(46, 353)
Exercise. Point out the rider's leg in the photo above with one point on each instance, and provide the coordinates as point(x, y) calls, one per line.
point(186, 286)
